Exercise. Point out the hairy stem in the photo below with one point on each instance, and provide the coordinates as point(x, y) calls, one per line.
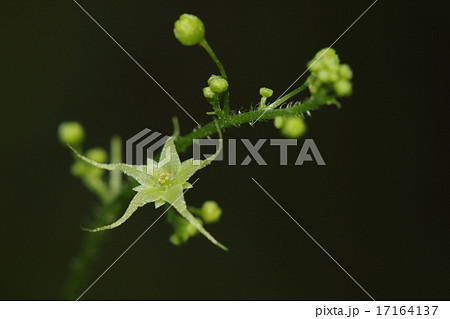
point(288, 96)
point(312, 103)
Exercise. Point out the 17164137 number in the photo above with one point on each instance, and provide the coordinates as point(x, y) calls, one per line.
point(405, 310)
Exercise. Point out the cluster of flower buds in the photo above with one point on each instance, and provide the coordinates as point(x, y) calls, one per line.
point(291, 127)
point(326, 70)
point(72, 133)
point(183, 230)
point(209, 213)
point(216, 86)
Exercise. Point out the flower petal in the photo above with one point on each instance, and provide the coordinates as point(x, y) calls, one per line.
point(140, 199)
point(190, 166)
point(174, 196)
point(138, 172)
point(169, 157)
point(159, 203)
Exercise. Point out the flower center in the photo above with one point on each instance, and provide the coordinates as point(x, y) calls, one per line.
point(164, 177)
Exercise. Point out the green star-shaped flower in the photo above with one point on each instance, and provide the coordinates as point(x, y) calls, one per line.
point(160, 182)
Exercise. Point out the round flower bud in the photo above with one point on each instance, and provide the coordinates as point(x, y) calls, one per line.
point(325, 58)
point(333, 77)
point(314, 84)
point(189, 29)
point(328, 52)
point(189, 230)
point(330, 61)
point(334, 68)
point(175, 240)
point(85, 170)
point(97, 154)
point(324, 76)
point(218, 84)
point(293, 127)
point(211, 78)
point(278, 122)
point(210, 212)
point(78, 168)
point(208, 93)
point(316, 67)
point(343, 87)
point(345, 72)
point(71, 133)
point(265, 92)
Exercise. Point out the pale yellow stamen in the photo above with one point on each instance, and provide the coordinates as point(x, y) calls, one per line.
point(164, 177)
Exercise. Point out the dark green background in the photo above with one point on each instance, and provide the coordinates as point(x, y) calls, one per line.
point(380, 205)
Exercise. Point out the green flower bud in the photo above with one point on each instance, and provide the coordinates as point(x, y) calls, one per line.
point(183, 230)
point(329, 61)
point(314, 83)
point(189, 29)
point(97, 154)
point(86, 170)
point(210, 212)
point(333, 77)
point(217, 83)
point(327, 70)
point(345, 72)
point(212, 77)
point(343, 88)
point(328, 52)
point(324, 76)
point(188, 229)
point(208, 93)
point(71, 133)
point(334, 68)
point(79, 168)
point(293, 127)
point(265, 92)
point(323, 59)
point(278, 122)
point(175, 240)
point(316, 67)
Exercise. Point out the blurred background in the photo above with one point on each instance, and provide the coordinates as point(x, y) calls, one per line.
point(379, 207)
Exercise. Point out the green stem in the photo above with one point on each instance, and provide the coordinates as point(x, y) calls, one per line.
point(288, 96)
point(81, 266)
point(207, 47)
point(226, 103)
point(216, 106)
point(214, 57)
point(312, 103)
